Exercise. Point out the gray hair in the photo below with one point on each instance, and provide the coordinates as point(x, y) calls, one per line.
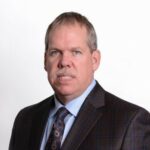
point(72, 18)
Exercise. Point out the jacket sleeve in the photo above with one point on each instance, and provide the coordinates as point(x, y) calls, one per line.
point(12, 138)
point(16, 139)
point(137, 136)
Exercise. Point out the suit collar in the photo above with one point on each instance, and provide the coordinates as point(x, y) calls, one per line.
point(93, 107)
point(97, 96)
point(39, 121)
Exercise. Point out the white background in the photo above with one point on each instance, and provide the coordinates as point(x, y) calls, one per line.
point(123, 29)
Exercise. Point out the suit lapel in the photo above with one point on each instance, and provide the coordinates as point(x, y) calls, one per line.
point(38, 124)
point(89, 114)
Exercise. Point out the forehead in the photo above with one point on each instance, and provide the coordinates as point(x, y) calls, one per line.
point(65, 29)
point(68, 36)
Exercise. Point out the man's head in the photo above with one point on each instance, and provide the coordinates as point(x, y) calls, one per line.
point(70, 18)
point(71, 55)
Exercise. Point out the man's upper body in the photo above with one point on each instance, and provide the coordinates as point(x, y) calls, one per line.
point(102, 121)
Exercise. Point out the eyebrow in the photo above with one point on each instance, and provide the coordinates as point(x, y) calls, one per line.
point(52, 48)
point(73, 48)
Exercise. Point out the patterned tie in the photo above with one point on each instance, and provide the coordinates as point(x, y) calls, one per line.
point(54, 140)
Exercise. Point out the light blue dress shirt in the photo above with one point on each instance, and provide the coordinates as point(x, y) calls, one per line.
point(73, 107)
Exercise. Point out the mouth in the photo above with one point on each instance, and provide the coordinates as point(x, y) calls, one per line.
point(65, 77)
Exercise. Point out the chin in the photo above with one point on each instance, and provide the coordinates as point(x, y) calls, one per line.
point(65, 91)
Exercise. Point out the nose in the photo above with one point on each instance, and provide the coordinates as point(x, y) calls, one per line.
point(65, 61)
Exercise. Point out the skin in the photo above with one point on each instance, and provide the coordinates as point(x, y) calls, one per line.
point(69, 63)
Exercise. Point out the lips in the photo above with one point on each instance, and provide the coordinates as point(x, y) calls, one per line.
point(64, 78)
point(63, 75)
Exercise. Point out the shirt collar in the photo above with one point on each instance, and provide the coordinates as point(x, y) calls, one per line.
point(57, 106)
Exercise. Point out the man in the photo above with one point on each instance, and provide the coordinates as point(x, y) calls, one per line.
point(95, 119)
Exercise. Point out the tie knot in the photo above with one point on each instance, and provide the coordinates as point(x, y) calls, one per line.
point(61, 113)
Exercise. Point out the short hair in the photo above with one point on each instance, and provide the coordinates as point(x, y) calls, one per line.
point(72, 18)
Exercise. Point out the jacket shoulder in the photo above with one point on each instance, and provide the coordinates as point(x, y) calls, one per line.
point(122, 108)
point(116, 102)
point(29, 111)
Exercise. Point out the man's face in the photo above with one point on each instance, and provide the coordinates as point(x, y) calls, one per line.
point(69, 63)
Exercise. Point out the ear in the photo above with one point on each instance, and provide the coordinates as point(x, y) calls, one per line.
point(45, 60)
point(96, 57)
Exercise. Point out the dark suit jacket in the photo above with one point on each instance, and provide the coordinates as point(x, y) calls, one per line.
point(104, 122)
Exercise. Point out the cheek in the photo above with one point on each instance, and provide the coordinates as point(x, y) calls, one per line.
point(51, 70)
point(50, 65)
point(85, 69)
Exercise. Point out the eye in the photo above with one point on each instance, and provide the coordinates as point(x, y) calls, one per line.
point(53, 52)
point(76, 52)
